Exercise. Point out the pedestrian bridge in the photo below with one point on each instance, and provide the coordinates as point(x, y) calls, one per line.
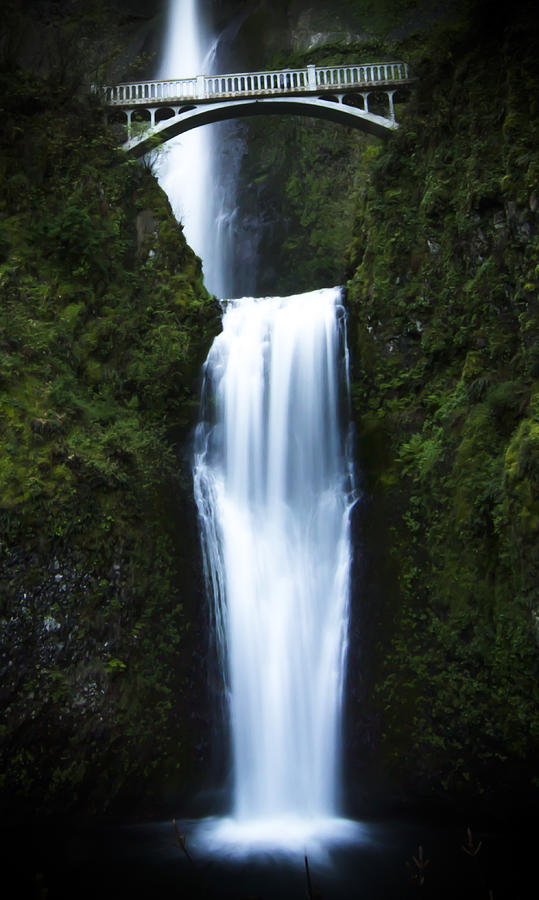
point(155, 111)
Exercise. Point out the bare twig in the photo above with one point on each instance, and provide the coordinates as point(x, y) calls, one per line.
point(470, 848)
point(418, 873)
point(182, 841)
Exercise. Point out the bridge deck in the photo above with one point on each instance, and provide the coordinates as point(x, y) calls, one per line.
point(292, 82)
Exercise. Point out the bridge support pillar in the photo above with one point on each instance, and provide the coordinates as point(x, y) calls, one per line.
point(365, 101)
point(129, 113)
point(390, 95)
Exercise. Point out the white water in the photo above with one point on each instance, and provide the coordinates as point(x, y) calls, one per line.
point(187, 170)
point(273, 485)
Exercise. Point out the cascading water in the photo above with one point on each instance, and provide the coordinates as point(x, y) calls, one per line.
point(273, 484)
point(188, 170)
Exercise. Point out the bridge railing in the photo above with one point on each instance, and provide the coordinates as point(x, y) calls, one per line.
point(283, 81)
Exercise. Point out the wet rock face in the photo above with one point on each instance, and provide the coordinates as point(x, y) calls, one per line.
point(92, 677)
point(48, 626)
point(55, 670)
point(315, 28)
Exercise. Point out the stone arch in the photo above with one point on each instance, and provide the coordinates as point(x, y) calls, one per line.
point(354, 100)
point(140, 114)
point(163, 113)
point(118, 121)
point(377, 101)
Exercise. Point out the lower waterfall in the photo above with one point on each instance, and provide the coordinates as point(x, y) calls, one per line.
point(274, 488)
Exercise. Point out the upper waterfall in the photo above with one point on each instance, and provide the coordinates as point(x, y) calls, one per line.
point(187, 170)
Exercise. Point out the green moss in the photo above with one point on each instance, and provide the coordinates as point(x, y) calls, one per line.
point(101, 343)
point(443, 308)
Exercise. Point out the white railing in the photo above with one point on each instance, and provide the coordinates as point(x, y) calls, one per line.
point(245, 84)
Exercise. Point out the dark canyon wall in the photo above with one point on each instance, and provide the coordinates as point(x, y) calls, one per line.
point(444, 325)
point(104, 325)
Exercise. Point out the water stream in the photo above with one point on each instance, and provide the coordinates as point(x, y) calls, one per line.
point(274, 489)
point(190, 171)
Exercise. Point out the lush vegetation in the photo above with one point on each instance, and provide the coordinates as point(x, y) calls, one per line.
point(104, 323)
point(443, 298)
point(297, 191)
point(300, 190)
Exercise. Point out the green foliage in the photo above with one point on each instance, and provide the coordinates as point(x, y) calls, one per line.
point(104, 324)
point(307, 211)
point(442, 294)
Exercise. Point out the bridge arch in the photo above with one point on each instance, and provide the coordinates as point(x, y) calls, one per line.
point(331, 108)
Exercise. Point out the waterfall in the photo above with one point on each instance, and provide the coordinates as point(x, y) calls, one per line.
point(187, 171)
point(273, 485)
point(274, 489)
